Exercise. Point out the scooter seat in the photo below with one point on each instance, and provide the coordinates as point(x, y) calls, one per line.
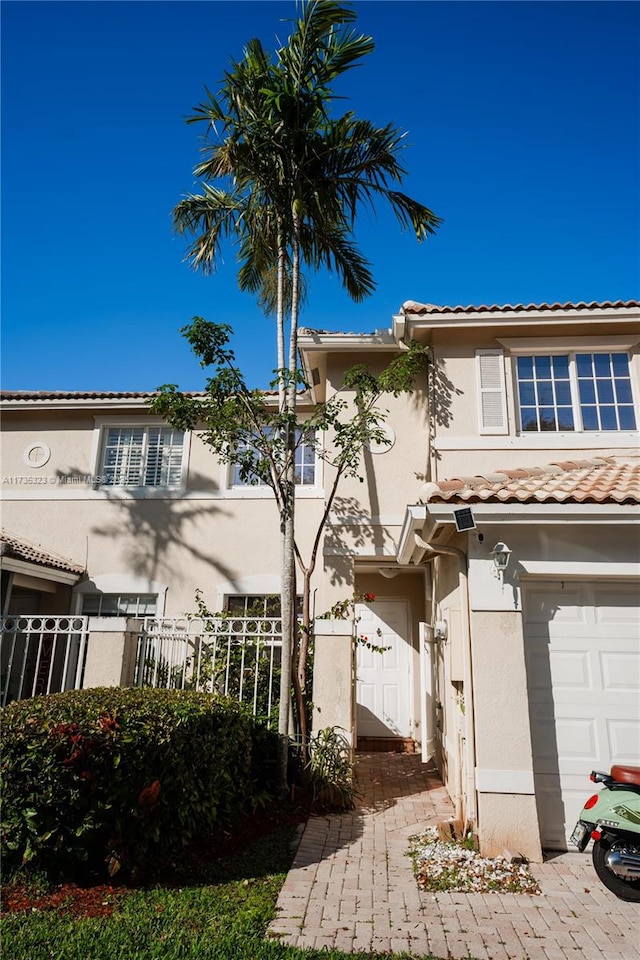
point(625, 774)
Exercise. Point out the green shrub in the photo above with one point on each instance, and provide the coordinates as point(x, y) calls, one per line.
point(94, 780)
point(331, 770)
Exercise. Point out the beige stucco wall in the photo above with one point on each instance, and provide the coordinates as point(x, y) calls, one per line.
point(365, 525)
point(209, 535)
point(503, 740)
point(111, 652)
point(504, 760)
point(333, 678)
point(454, 402)
point(209, 538)
point(368, 513)
point(68, 434)
point(508, 821)
point(449, 677)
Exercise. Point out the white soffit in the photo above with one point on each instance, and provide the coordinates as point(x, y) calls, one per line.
point(568, 512)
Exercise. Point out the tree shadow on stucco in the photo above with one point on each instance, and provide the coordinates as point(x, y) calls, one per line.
point(441, 393)
point(154, 526)
point(543, 726)
point(362, 534)
point(431, 398)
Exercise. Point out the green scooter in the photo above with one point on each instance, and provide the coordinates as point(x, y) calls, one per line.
point(611, 819)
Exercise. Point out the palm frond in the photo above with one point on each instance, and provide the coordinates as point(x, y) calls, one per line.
point(271, 148)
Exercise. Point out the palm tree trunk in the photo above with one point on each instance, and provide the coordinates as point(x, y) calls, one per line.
point(280, 318)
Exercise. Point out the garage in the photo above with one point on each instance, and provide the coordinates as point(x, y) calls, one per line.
point(582, 652)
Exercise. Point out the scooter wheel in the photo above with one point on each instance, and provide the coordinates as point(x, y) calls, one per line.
point(623, 889)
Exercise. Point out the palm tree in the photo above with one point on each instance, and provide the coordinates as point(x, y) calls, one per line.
point(286, 180)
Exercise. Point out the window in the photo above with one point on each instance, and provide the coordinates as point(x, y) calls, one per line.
point(305, 462)
point(575, 392)
point(142, 457)
point(259, 605)
point(253, 606)
point(119, 605)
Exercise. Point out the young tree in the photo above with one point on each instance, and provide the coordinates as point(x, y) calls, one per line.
point(245, 428)
point(285, 179)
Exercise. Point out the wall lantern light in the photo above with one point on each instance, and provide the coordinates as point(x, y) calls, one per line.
point(501, 555)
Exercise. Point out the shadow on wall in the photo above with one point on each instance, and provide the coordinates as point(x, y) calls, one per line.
point(153, 527)
point(441, 392)
point(361, 533)
point(542, 719)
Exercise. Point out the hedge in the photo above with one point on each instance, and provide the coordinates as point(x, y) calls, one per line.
point(98, 780)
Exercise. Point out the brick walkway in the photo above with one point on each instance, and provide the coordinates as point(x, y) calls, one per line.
point(351, 887)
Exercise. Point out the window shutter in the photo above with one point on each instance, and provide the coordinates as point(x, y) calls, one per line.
point(142, 457)
point(492, 401)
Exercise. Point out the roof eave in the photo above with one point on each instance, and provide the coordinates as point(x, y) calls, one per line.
point(414, 317)
point(86, 403)
point(340, 342)
point(565, 512)
point(39, 570)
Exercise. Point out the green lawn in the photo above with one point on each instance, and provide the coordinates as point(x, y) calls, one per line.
point(221, 914)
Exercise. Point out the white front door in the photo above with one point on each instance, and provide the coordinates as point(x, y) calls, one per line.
point(582, 645)
point(383, 680)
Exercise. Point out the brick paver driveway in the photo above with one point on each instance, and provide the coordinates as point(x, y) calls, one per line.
point(352, 887)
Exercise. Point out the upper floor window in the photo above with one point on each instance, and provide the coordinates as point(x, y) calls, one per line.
point(575, 392)
point(142, 456)
point(305, 463)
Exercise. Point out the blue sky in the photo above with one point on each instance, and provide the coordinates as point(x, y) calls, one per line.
point(523, 122)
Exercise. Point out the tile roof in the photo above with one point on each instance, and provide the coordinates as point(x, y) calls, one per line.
point(598, 480)
point(410, 306)
point(11, 546)
point(98, 395)
point(73, 395)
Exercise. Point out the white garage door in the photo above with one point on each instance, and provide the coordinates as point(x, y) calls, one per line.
point(582, 643)
point(383, 680)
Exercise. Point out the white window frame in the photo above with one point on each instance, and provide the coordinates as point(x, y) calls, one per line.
point(570, 346)
point(128, 595)
point(101, 428)
point(121, 584)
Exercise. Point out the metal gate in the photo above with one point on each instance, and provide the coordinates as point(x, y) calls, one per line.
point(238, 657)
point(41, 655)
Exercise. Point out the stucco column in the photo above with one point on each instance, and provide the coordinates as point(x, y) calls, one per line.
point(333, 679)
point(111, 652)
point(507, 812)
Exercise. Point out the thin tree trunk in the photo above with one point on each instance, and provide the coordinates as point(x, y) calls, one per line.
point(302, 661)
point(280, 319)
point(288, 620)
point(288, 599)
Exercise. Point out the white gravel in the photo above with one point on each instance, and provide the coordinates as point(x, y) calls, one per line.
point(448, 865)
